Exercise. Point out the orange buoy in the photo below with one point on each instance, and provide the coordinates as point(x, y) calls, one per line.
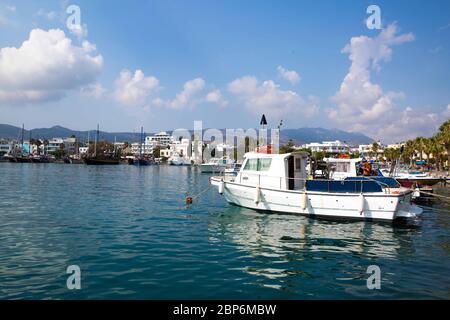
point(189, 200)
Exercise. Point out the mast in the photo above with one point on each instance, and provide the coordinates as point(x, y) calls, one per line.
point(21, 139)
point(140, 149)
point(95, 142)
point(29, 144)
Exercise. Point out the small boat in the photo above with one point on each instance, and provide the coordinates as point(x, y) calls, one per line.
point(216, 165)
point(278, 183)
point(101, 161)
point(233, 170)
point(139, 161)
point(39, 159)
point(177, 160)
point(104, 158)
point(18, 159)
point(416, 178)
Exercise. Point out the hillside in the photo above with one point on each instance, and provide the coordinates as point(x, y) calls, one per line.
point(299, 136)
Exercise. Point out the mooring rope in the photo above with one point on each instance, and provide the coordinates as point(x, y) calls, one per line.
point(446, 198)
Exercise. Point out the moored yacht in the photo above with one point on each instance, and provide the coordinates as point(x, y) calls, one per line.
point(216, 165)
point(178, 160)
point(278, 183)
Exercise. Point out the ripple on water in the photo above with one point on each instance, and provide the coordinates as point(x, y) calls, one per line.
point(132, 236)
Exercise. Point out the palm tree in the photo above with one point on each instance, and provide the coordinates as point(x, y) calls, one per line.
point(419, 143)
point(409, 151)
point(428, 148)
point(437, 149)
point(375, 148)
point(443, 137)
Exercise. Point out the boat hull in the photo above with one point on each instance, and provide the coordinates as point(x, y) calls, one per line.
point(209, 168)
point(376, 206)
point(408, 183)
point(101, 161)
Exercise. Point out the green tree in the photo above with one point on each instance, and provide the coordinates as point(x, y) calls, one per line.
point(443, 137)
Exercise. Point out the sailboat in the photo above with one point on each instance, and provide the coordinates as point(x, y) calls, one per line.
point(101, 159)
point(18, 156)
point(140, 160)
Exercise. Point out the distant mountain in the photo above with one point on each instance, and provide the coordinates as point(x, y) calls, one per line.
point(308, 135)
point(299, 136)
point(12, 132)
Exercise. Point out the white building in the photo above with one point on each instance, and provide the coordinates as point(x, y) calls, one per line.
point(147, 149)
point(165, 153)
point(5, 147)
point(54, 144)
point(366, 150)
point(183, 148)
point(328, 146)
point(159, 139)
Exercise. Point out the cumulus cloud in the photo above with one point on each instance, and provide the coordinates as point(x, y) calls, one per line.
point(409, 123)
point(290, 75)
point(216, 97)
point(135, 89)
point(267, 97)
point(362, 104)
point(49, 15)
point(187, 96)
point(45, 66)
point(94, 90)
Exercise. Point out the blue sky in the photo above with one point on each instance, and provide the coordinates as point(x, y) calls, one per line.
point(225, 63)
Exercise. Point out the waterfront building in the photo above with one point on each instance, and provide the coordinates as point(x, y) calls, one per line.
point(328, 146)
point(160, 139)
point(366, 151)
point(165, 153)
point(5, 147)
point(136, 148)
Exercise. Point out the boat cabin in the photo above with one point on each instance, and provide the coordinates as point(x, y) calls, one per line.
point(278, 171)
point(342, 168)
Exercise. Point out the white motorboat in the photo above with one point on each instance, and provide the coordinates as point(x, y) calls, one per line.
point(233, 169)
point(277, 183)
point(177, 160)
point(216, 165)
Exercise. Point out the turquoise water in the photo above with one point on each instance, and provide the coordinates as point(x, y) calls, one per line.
point(127, 229)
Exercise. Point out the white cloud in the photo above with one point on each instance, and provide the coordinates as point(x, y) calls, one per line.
point(45, 66)
point(49, 15)
point(94, 90)
point(410, 123)
point(186, 97)
point(134, 90)
point(361, 104)
point(5, 12)
point(268, 98)
point(290, 75)
point(216, 97)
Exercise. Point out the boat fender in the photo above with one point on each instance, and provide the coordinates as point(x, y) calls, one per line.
point(257, 195)
point(221, 187)
point(189, 200)
point(303, 200)
point(361, 204)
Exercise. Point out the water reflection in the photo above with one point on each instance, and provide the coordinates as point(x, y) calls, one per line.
point(277, 239)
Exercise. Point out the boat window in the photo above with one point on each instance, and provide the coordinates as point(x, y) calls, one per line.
point(258, 164)
point(264, 164)
point(298, 164)
point(342, 167)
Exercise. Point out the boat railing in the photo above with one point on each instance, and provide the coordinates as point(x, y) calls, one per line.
point(354, 185)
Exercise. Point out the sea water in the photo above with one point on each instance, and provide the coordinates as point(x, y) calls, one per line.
point(130, 233)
